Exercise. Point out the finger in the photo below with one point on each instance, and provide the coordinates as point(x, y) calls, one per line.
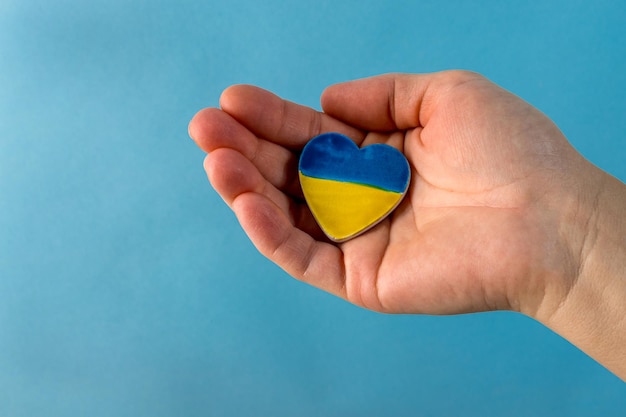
point(267, 217)
point(232, 174)
point(317, 263)
point(281, 121)
point(213, 129)
point(392, 101)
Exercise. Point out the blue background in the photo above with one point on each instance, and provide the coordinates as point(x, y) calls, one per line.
point(127, 288)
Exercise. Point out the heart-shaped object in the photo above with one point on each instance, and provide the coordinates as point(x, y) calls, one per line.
point(350, 190)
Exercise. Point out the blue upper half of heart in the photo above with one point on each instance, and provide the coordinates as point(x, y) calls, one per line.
point(333, 156)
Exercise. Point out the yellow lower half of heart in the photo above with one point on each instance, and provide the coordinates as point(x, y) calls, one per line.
point(344, 209)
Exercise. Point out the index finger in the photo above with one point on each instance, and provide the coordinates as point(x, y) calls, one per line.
point(280, 121)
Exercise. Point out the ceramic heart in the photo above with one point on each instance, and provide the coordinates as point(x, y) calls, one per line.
point(350, 190)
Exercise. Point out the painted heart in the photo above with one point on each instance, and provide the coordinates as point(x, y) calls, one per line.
point(350, 190)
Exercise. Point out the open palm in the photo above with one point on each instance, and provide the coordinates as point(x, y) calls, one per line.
point(475, 231)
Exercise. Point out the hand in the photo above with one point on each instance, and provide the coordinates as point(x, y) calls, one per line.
point(496, 216)
point(472, 231)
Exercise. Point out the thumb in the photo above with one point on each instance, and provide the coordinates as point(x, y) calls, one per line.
point(391, 101)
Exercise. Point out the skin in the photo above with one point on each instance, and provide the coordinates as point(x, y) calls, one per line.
point(501, 213)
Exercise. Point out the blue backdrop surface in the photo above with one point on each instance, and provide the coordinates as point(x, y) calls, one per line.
point(127, 287)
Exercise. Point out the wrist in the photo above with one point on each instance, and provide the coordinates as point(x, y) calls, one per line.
point(591, 311)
